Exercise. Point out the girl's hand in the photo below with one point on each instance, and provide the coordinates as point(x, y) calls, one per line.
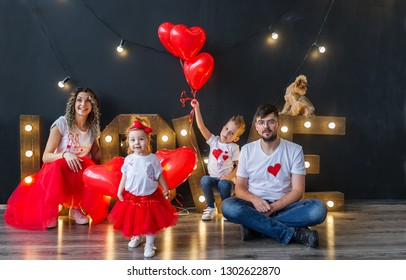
point(73, 161)
point(120, 196)
point(166, 194)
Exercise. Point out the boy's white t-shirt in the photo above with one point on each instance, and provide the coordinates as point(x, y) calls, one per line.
point(76, 142)
point(142, 173)
point(269, 176)
point(221, 157)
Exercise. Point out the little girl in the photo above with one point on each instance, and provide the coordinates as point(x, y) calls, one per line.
point(142, 208)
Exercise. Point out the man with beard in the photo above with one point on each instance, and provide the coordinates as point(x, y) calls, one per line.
point(270, 186)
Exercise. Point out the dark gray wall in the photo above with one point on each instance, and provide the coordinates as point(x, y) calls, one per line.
point(360, 77)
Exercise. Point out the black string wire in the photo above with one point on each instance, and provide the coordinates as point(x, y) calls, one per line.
point(314, 44)
point(116, 32)
point(35, 12)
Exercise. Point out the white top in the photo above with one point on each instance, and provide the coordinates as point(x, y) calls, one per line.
point(269, 176)
point(76, 142)
point(221, 157)
point(142, 173)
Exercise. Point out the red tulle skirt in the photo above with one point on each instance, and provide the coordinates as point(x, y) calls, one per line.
point(140, 215)
point(36, 204)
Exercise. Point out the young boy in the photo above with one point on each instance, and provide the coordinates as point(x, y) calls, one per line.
point(223, 159)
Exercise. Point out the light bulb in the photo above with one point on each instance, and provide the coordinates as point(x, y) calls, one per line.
point(274, 35)
point(62, 83)
point(307, 164)
point(183, 132)
point(165, 138)
point(120, 47)
point(332, 125)
point(108, 138)
point(28, 127)
point(322, 49)
point(29, 153)
point(28, 179)
point(284, 129)
point(307, 124)
point(202, 199)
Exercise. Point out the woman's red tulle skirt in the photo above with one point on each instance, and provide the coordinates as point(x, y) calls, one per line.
point(35, 205)
point(140, 215)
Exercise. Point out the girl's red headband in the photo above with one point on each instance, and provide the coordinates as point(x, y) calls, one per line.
point(138, 125)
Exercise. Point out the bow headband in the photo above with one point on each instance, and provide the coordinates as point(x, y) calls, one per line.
point(138, 125)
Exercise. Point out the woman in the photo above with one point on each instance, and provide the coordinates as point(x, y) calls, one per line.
point(72, 146)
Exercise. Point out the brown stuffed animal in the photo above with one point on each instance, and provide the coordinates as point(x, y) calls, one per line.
point(296, 103)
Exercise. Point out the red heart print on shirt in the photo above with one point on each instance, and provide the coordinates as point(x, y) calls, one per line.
point(225, 157)
point(217, 153)
point(274, 169)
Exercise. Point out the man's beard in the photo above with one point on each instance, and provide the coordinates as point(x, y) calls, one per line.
point(270, 138)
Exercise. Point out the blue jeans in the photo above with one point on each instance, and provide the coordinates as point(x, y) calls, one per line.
point(209, 183)
point(280, 225)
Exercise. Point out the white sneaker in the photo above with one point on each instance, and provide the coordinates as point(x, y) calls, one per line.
point(209, 213)
point(53, 224)
point(134, 242)
point(225, 219)
point(149, 251)
point(78, 216)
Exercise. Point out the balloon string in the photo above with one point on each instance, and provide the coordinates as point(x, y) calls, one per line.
point(184, 98)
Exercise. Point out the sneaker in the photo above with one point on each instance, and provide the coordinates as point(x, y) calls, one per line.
point(149, 250)
point(306, 237)
point(225, 219)
point(248, 234)
point(53, 224)
point(78, 216)
point(209, 213)
point(134, 242)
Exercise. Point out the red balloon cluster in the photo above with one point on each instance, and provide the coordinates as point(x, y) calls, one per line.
point(185, 43)
point(178, 164)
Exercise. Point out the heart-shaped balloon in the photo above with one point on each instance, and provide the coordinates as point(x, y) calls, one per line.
point(198, 70)
point(104, 178)
point(178, 164)
point(187, 42)
point(164, 36)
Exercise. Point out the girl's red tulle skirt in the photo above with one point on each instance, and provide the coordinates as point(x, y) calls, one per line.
point(35, 205)
point(140, 215)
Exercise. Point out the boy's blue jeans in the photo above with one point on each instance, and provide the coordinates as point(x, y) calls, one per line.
point(209, 183)
point(280, 225)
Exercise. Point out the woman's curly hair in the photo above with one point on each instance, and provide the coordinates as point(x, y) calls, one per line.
point(93, 119)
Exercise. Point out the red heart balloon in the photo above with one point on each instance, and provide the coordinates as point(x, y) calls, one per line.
point(178, 164)
point(104, 178)
point(198, 70)
point(163, 33)
point(187, 42)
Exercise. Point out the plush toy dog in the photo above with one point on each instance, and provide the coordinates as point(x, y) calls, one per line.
point(296, 103)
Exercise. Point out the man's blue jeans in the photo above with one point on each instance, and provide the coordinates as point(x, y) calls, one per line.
point(209, 183)
point(280, 225)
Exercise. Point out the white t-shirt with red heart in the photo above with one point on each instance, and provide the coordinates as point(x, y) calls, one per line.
point(269, 176)
point(76, 142)
point(222, 157)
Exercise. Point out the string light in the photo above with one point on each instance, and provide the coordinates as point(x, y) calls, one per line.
point(120, 47)
point(62, 83)
point(274, 35)
point(322, 49)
